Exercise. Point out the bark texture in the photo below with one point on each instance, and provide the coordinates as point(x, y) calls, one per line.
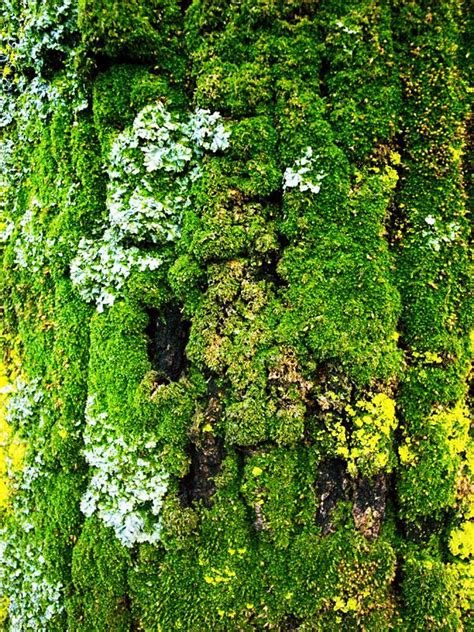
point(234, 245)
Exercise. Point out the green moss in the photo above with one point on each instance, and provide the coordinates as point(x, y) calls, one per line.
point(186, 278)
point(428, 482)
point(310, 313)
point(99, 576)
point(59, 519)
point(124, 89)
point(169, 410)
point(327, 312)
point(67, 373)
point(431, 267)
point(135, 31)
point(358, 40)
point(250, 165)
point(88, 203)
point(239, 89)
point(275, 486)
point(429, 594)
point(229, 225)
point(118, 361)
point(344, 581)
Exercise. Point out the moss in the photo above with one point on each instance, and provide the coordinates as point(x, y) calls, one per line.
point(358, 38)
point(67, 373)
point(240, 88)
point(250, 165)
point(429, 594)
point(118, 361)
point(122, 90)
point(329, 317)
point(230, 225)
point(59, 519)
point(169, 410)
point(99, 576)
point(186, 278)
point(430, 274)
point(312, 310)
point(343, 581)
point(427, 483)
point(88, 203)
point(275, 486)
point(134, 31)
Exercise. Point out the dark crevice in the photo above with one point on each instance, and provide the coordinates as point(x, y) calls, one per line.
point(206, 460)
point(101, 63)
point(268, 270)
point(421, 531)
point(332, 485)
point(292, 622)
point(274, 199)
point(369, 498)
point(168, 335)
point(124, 604)
point(323, 77)
point(206, 452)
point(53, 62)
point(369, 503)
point(247, 451)
point(184, 5)
point(397, 581)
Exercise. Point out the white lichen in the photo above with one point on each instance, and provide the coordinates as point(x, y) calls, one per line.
point(152, 166)
point(128, 482)
point(302, 174)
point(34, 599)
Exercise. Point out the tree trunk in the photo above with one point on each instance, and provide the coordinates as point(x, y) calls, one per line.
point(235, 316)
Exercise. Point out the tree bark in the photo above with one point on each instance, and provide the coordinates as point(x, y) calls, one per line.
point(236, 315)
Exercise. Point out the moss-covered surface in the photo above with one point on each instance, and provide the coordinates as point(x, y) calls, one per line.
point(290, 345)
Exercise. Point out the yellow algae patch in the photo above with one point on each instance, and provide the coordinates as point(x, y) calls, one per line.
point(12, 449)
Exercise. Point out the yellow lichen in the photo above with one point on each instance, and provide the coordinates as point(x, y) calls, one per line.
point(463, 574)
point(369, 447)
point(4, 603)
point(407, 456)
point(461, 540)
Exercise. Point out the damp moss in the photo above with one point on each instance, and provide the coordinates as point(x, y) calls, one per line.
point(430, 595)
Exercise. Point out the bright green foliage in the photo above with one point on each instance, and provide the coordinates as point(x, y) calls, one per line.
point(298, 362)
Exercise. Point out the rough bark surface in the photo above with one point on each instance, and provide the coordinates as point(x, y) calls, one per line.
point(235, 315)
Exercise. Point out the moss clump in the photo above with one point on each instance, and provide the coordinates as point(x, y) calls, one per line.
point(431, 464)
point(99, 577)
point(122, 90)
point(430, 595)
point(135, 31)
